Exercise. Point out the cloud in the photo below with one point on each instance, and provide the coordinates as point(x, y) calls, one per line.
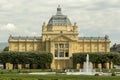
point(8, 27)
point(94, 17)
point(11, 29)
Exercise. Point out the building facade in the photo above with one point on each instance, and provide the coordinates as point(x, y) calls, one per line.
point(60, 38)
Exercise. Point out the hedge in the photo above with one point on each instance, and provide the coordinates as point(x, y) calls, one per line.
point(26, 57)
point(98, 57)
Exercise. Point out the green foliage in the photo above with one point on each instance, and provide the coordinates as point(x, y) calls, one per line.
point(6, 48)
point(96, 74)
point(4, 57)
point(113, 74)
point(44, 58)
point(97, 57)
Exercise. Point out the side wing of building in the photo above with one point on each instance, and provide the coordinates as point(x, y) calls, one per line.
point(25, 44)
point(93, 44)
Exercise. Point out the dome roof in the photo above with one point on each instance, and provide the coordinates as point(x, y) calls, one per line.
point(59, 19)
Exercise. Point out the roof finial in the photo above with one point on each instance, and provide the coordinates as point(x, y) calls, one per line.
point(59, 10)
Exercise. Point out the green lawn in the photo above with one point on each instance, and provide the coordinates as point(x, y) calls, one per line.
point(55, 77)
point(15, 75)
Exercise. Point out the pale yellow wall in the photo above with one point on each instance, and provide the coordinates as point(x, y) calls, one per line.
point(13, 46)
point(25, 45)
point(93, 46)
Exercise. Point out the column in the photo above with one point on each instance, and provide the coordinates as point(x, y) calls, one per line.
point(90, 46)
point(27, 66)
point(98, 48)
point(78, 65)
point(9, 66)
point(54, 65)
point(83, 46)
point(111, 65)
point(19, 66)
point(99, 65)
point(107, 65)
point(58, 65)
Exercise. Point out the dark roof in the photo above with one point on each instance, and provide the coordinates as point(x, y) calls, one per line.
point(59, 19)
point(24, 38)
point(91, 38)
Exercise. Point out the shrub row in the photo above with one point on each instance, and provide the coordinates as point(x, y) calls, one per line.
point(99, 57)
point(26, 57)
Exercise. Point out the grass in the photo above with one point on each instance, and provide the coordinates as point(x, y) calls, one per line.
point(14, 75)
point(54, 77)
point(107, 70)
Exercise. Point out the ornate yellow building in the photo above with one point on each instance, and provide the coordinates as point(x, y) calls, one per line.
point(60, 38)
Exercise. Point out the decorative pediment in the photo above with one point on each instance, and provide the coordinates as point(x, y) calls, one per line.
point(61, 38)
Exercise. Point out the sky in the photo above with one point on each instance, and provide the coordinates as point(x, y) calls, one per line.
point(95, 18)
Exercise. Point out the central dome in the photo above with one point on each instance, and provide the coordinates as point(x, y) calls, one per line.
point(59, 19)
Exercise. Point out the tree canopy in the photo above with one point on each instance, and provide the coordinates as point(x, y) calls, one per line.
point(6, 48)
point(26, 57)
point(97, 57)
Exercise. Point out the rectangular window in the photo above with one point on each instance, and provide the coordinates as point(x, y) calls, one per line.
point(56, 53)
point(61, 45)
point(61, 54)
point(67, 53)
point(66, 45)
point(56, 45)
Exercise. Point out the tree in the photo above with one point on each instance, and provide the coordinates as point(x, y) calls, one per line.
point(97, 57)
point(42, 59)
point(6, 48)
point(4, 58)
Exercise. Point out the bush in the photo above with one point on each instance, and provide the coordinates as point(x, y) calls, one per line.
point(44, 59)
point(97, 57)
point(113, 74)
point(96, 74)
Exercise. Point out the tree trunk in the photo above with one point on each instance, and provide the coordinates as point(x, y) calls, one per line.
point(4, 65)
